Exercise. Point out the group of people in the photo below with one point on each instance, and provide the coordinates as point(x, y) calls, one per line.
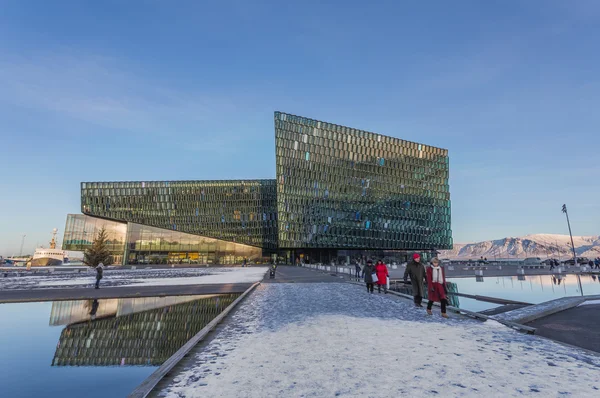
point(434, 275)
point(376, 274)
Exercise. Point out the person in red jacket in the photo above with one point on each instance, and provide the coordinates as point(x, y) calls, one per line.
point(436, 286)
point(382, 274)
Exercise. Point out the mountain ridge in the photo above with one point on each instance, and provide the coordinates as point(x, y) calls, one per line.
point(533, 245)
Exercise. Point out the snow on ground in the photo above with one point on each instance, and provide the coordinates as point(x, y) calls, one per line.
point(334, 339)
point(145, 277)
point(224, 275)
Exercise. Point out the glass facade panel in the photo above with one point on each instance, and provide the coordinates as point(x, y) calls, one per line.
point(81, 230)
point(337, 189)
point(375, 192)
point(151, 245)
point(220, 209)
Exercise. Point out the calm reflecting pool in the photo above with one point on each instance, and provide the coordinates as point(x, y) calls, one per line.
point(95, 348)
point(529, 289)
point(472, 304)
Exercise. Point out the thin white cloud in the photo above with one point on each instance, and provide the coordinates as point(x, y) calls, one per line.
point(102, 91)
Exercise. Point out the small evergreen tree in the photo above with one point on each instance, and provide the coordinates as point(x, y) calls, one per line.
point(98, 252)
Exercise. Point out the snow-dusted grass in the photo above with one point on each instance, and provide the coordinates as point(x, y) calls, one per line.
point(120, 278)
point(289, 340)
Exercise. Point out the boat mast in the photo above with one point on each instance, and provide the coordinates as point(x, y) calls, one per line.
point(53, 241)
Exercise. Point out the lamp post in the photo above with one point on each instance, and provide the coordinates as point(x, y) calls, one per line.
point(22, 243)
point(564, 210)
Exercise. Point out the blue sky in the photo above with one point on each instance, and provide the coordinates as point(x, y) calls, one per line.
point(162, 90)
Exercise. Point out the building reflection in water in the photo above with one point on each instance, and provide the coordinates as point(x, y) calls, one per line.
point(139, 331)
point(453, 300)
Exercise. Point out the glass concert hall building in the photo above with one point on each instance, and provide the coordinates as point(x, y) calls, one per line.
point(339, 194)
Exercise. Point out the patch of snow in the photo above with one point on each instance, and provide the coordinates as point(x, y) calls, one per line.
point(590, 302)
point(494, 324)
point(519, 314)
point(291, 340)
point(239, 275)
point(140, 277)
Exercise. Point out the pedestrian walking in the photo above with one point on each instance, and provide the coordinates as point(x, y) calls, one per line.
point(368, 272)
point(597, 263)
point(244, 262)
point(416, 271)
point(357, 268)
point(99, 272)
point(382, 275)
point(591, 264)
point(436, 286)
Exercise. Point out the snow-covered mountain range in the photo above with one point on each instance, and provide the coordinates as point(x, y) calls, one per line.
point(538, 245)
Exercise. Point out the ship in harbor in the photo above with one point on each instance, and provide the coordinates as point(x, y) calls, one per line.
point(49, 257)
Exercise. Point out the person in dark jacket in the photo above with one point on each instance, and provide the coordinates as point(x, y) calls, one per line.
point(368, 271)
point(99, 272)
point(357, 269)
point(436, 286)
point(416, 271)
point(382, 275)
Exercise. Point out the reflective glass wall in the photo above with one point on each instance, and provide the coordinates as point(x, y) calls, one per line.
point(232, 210)
point(80, 231)
point(150, 245)
point(351, 256)
point(339, 187)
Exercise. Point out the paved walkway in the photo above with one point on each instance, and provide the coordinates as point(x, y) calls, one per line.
point(579, 326)
point(335, 339)
point(292, 274)
point(15, 296)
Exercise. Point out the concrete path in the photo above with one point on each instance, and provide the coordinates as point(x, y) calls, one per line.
point(292, 274)
point(579, 326)
point(335, 339)
point(531, 313)
point(502, 308)
point(15, 296)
